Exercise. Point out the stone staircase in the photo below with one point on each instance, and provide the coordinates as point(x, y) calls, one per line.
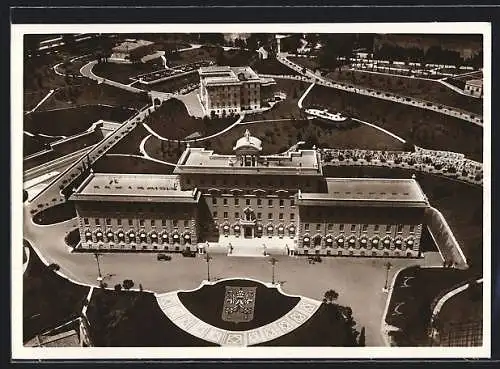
point(247, 248)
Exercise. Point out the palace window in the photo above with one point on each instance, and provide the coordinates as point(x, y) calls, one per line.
point(237, 215)
point(318, 227)
point(236, 201)
point(215, 214)
point(412, 228)
point(365, 227)
point(341, 227)
point(259, 216)
point(225, 215)
point(270, 216)
point(214, 200)
point(400, 228)
point(247, 201)
point(375, 228)
point(186, 223)
point(281, 216)
point(174, 222)
point(292, 202)
point(270, 202)
point(86, 221)
point(224, 201)
point(330, 227)
point(164, 222)
point(119, 222)
point(141, 222)
point(130, 222)
point(292, 216)
point(353, 227)
point(259, 202)
point(282, 203)
point(388, 228)
point(306, 226)
point(97, 221)
point(152, 222)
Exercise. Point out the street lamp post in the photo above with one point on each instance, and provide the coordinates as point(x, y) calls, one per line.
point(388, 266)
point(273, 262)
point(99, 275)
point(208, 258)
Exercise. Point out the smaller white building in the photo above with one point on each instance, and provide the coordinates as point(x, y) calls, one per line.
point(474, 87)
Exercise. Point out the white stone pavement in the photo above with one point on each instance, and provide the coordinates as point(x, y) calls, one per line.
point(174, 309)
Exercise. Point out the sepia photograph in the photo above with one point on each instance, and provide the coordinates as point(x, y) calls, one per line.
point(243, 190)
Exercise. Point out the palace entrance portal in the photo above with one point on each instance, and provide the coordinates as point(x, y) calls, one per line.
point(248, 231)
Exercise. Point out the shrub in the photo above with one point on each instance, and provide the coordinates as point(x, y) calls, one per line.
point(118, 287)
point(128, 284)
point(54, 267)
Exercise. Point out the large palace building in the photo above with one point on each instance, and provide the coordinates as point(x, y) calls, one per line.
point(225, 90)
point(279, 201)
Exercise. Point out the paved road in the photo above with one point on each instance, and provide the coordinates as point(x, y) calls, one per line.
point(358, 281)
point(454, 112)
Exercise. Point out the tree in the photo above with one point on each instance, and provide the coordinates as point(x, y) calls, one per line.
point(128, 284)
point(118, 287)
point(25, 195)
point(361, 339)
point(330, 296)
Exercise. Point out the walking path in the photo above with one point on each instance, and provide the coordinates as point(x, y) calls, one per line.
point(174, 309)
point(449, 295)
point(42, 101)
point(380, 129)
point(299, 103)
point(86, 71)
point(423, 104)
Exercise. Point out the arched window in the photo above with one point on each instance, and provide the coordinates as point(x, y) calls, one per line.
point(187, 239)
point(110, 236)
point(409, 243)
point(225, 229)
point(164, 237)
point(120, 235)
point(176, 239)
point(340, 241)
point(374, 243)
point(386, 243)
point(352, 242)
point(281, 230)
point(363, 242)
point(131, 236)
point(317, 241)
point(143, 237)
point(237, 229)
point(88, 235)
point(154, 237)
point(329, 241)
point(99, 235)
point(258, 231)
point(270, 230)
point(291, 230)
point(398, 243)
point(306, 241)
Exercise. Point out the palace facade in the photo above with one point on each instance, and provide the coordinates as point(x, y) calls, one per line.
point(281, 200)
point(229, 90)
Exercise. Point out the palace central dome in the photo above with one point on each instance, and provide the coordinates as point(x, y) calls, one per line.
point(248, 142)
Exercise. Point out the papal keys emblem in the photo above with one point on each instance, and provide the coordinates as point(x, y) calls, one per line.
point(239, 304)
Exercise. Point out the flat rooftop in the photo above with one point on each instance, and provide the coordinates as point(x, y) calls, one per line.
point(367, 192)
point(133, 188)
point(199, 160)
point(475, 82)
point(129, 45)
point(223, 75)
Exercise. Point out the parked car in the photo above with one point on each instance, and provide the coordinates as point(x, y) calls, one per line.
point(163, 257)
point(189, 254)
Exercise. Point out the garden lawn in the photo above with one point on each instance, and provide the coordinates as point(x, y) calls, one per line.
point(287, 108)
point(327, 327)
point(134, 319)
point(415, 301)
point(68, 122)
point(55, 214)
point(172, 121)
point(460, 203)
point(173, 84)
point(270, 304)
point(463, 307)
point(413, 87)
point(272, 66)
point(123, 72)
point(422, 127)
point(89, 92)
point(130, 164)
point(49, 300)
